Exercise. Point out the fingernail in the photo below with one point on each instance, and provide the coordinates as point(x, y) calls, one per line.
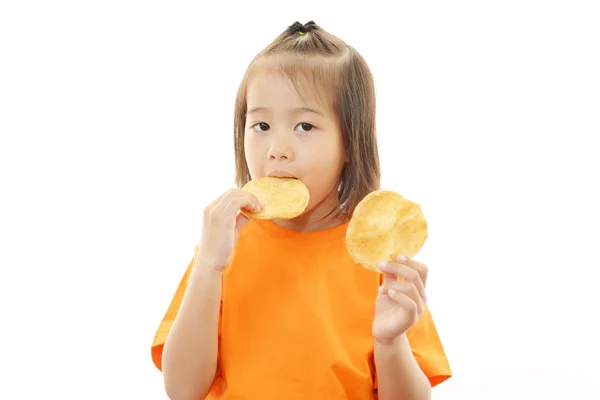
point(383, 264)
point(401, 258)
point(391, 292)
point(381, 289)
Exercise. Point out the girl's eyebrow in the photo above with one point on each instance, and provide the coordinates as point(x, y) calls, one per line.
point(255, 110)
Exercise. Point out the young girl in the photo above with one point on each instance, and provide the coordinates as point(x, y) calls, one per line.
point(277, 309)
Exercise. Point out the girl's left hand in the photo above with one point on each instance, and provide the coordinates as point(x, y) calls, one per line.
point(399, 303)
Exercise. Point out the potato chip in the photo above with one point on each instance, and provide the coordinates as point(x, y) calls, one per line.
point(284, 198)
point(384, 225)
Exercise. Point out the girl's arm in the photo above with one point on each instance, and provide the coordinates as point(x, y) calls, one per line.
point(398, 374)
point(190, 351)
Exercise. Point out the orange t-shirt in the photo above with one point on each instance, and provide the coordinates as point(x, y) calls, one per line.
point(295, 321)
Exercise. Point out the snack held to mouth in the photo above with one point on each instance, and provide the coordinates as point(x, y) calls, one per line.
point(384, 225)
point(284, 198)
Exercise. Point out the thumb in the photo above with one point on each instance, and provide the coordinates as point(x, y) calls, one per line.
point(240, 221)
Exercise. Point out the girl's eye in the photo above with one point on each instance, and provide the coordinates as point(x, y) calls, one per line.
point(263, 126)
point(306, 126)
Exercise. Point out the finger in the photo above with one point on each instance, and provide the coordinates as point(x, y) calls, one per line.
point(405, 272)
point(406, 288)
point(217, 201)
point(387, 277)
point(241, 200)
point(402, 286)
point(227, 193)
point(421, 268)
point(240, 221)
point(407, 304)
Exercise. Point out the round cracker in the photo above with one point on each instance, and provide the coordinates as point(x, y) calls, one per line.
point(385, 224)
point(284, 198)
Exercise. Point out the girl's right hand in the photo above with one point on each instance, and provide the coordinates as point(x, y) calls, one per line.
point(221, 225)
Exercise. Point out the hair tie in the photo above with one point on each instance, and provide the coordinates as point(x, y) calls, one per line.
point(300, 29)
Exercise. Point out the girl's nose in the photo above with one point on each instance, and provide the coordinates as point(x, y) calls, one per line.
point(280, 149)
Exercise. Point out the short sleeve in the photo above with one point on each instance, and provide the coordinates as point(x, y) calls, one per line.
point(427, 349)
point(167, 320)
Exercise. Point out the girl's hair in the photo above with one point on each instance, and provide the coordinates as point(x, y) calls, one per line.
point(319, 64)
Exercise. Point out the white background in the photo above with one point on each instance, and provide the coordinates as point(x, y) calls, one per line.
point(116, 130)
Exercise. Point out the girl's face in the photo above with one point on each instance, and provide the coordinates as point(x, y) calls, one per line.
point(285, 136)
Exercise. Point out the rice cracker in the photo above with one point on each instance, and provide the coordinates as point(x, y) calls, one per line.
point(384, 225)
point(284, 198)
